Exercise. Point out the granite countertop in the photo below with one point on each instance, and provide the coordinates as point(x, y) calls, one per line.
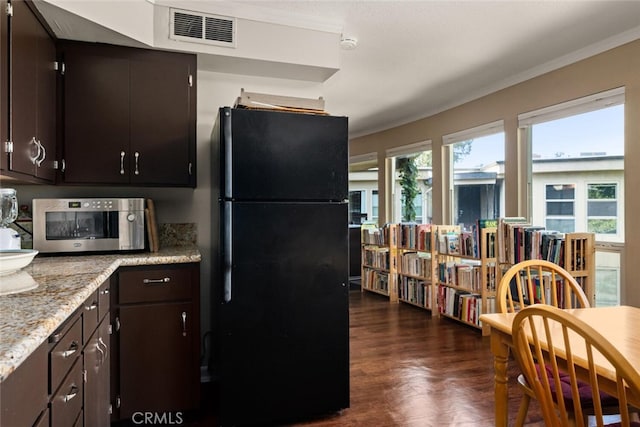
point(64, 283)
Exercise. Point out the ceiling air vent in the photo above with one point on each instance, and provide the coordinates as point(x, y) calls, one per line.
point(202, 28)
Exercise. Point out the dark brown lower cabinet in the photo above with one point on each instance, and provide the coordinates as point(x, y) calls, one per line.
point(157, 316)
point(66, 403)
point(23, 394)
point(96, 387)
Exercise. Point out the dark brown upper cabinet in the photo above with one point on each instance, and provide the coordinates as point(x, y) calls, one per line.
point(28, 95)
point(129, 116)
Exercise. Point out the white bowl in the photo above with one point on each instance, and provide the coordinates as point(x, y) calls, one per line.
point(13, 260)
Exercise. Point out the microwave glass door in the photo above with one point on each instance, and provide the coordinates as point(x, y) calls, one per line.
point(81, 225)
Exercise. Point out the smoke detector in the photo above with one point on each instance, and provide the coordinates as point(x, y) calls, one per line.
point(348, 43)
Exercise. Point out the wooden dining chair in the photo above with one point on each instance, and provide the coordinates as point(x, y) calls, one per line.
point(551, 340)
point(538, 281)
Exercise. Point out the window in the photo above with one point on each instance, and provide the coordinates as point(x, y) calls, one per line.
point(357, 207)
point(476, 167)
point(374, 206)
point(576, 166)
point(602, 208)
point(412, 172)
point(560, 203)
point(607, 277)
point(363, 184)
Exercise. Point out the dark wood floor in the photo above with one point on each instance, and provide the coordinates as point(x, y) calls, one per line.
point(409, 369)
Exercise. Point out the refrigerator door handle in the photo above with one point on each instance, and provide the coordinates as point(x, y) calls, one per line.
point(228, 154)
point(226, 250)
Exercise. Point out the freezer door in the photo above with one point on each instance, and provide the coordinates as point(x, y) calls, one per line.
point(284, 342)
point(284, 156)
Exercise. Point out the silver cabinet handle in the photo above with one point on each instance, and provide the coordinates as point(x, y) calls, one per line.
point(159, 281)
point(106, 349)
point(72, 349)
point(122, 154)
point(184, 323)
point(104, 291)
point(102, 355)
point(34, 159)
point(64, 166)
point(44, 154)
point(73, 392)
point(91, 307)
point(117, 324)
point(137, 156)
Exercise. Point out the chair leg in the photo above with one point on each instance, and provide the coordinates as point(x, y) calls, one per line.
point(522, 410)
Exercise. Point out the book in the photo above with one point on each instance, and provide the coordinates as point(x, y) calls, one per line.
point(505, 239)
point(453, 244)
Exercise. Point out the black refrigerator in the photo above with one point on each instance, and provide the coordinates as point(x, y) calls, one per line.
point(282, 322)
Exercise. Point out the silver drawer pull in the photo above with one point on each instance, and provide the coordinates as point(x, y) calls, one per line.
point(105, 291)
point(163, 280)
point(91, 307)
point(72, 393)
point(72, 349)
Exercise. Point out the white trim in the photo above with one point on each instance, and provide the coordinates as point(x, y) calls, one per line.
point(475, 132)
point(405, 150)
point(570, 108)
point(362, 158)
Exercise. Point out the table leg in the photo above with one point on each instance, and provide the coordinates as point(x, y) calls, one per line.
point(500, 352)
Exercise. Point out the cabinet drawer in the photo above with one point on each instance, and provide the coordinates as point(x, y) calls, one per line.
point(89, 316)
point(66, 404)
point(104, 299)
point(151, 285)
point(65, 352)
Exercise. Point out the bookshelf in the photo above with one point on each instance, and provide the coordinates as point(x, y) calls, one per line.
point(575, 252)
point(379, 253)
point(416, 264)
point(468, 274)
point(454, 273)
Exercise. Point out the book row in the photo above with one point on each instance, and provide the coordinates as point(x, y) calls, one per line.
point(376, 257)
point(462, 305)
point(415, 291)
point(375, 280)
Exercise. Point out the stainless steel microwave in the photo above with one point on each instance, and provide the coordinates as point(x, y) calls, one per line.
point(88, 225)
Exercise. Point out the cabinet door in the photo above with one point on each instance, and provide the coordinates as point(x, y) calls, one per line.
point(46, 110)
point(23, 394)
point(96, 388)
point(33, 95)
point(96, 115)
point(157, 366)
point(162, 118)
point(4, 84)
point(25, 30)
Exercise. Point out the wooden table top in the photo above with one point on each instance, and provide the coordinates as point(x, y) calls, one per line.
point(620, 325)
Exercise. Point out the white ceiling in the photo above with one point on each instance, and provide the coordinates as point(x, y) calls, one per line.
point(416, 58)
